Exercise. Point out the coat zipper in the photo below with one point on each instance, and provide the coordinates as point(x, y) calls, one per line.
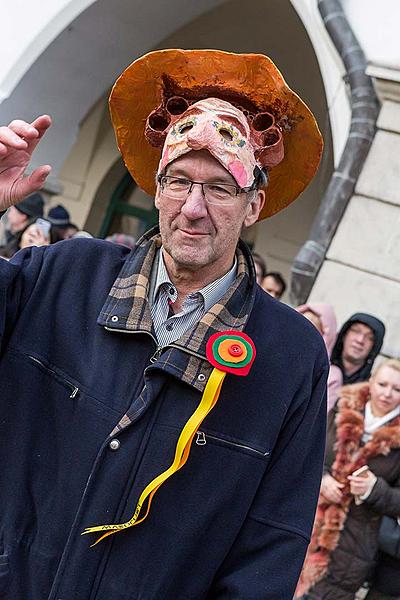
point(201, 440)
point(73, 387)
point(159, 349)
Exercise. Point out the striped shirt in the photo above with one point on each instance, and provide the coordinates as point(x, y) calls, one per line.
point(168, 326)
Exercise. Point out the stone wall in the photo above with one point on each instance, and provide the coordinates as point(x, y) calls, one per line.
point(362, 268)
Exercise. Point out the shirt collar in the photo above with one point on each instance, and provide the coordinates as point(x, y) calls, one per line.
point(210, 293)
point(127, 307)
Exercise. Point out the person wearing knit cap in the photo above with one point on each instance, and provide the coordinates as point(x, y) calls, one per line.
point(20, 216)
point(59, 216)
point(161, 415)
point(61, 226)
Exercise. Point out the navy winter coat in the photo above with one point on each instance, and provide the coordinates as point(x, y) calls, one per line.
point(233, 524)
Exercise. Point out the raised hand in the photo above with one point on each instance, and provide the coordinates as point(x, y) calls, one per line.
point(17, 143)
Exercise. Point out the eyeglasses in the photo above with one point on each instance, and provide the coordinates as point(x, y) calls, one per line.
point(358, 331)
point(178, 188)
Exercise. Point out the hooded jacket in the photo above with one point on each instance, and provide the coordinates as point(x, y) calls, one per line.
point(326, 314)
point(363, 372)
point(91, 411)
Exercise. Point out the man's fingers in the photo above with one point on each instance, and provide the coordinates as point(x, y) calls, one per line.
point(27, 185)
point(23, 129)
point(9, 138)
point(39, 176)
point(21, 135)
point(41, 125)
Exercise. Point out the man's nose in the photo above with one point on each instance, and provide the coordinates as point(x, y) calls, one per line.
point(195, 206)
point(360, 337)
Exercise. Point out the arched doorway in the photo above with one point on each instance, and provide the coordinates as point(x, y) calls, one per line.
point(129, 211)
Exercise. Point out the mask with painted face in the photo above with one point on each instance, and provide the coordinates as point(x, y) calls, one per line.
point(222, 129)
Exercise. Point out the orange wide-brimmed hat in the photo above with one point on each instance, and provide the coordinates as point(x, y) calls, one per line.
point(157, 87)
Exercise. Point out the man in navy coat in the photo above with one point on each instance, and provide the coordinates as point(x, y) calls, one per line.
point(109, 356)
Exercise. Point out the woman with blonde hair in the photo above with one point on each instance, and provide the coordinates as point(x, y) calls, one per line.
point(360, 485)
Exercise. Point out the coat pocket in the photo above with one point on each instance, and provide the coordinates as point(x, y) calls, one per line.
point(204, 437)
point(62, 379)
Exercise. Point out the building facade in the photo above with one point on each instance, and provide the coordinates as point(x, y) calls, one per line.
point(63, 60)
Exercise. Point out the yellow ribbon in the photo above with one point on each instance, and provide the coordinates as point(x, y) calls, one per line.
point(207, 402)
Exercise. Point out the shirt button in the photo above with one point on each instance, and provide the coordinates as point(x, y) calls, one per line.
point(201, 377)
point(114, 444)
point(114, 319)
point(169, 327)
point(171, 291)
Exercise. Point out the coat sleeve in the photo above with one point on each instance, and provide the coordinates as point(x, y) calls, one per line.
point(17, 280)
point(384, 498)
point(264, 562)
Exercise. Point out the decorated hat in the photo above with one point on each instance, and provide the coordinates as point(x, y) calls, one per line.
point(158, 91)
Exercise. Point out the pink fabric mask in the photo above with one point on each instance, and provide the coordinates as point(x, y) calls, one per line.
point(217, 126)
point(220, 128)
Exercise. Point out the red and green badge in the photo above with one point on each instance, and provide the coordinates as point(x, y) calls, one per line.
point(231, 352)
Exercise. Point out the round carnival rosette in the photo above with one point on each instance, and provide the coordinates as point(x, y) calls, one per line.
point(231, 351)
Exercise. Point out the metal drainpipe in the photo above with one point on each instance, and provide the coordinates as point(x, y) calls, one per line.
point(364, 113)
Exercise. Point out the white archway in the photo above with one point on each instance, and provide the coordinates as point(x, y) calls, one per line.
point(31, 35)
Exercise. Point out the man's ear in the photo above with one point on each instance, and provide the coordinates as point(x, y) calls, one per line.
point(254, 208)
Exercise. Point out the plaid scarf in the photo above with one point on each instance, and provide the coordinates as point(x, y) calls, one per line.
point(127, 310)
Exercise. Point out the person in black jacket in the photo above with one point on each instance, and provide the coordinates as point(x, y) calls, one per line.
point(386, 579)
point(357, 345)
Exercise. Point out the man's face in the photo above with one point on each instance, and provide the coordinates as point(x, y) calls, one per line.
point(198, 235)
point(272, 287)
point(358, 343)
point(17, 220)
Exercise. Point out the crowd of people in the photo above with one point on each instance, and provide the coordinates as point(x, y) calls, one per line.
point(361, 481)
point(26, 225)
point(352, 544)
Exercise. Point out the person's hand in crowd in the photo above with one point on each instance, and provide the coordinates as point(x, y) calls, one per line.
point(361, 484)
point(17, 143)
point(33, 236)
point(331, 488)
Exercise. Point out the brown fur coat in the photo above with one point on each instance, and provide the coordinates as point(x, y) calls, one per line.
point(350, 455)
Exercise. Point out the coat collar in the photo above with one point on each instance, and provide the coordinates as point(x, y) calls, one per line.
point(127, 309)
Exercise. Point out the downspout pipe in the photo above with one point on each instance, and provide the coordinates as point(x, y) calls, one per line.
point(364, 113)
